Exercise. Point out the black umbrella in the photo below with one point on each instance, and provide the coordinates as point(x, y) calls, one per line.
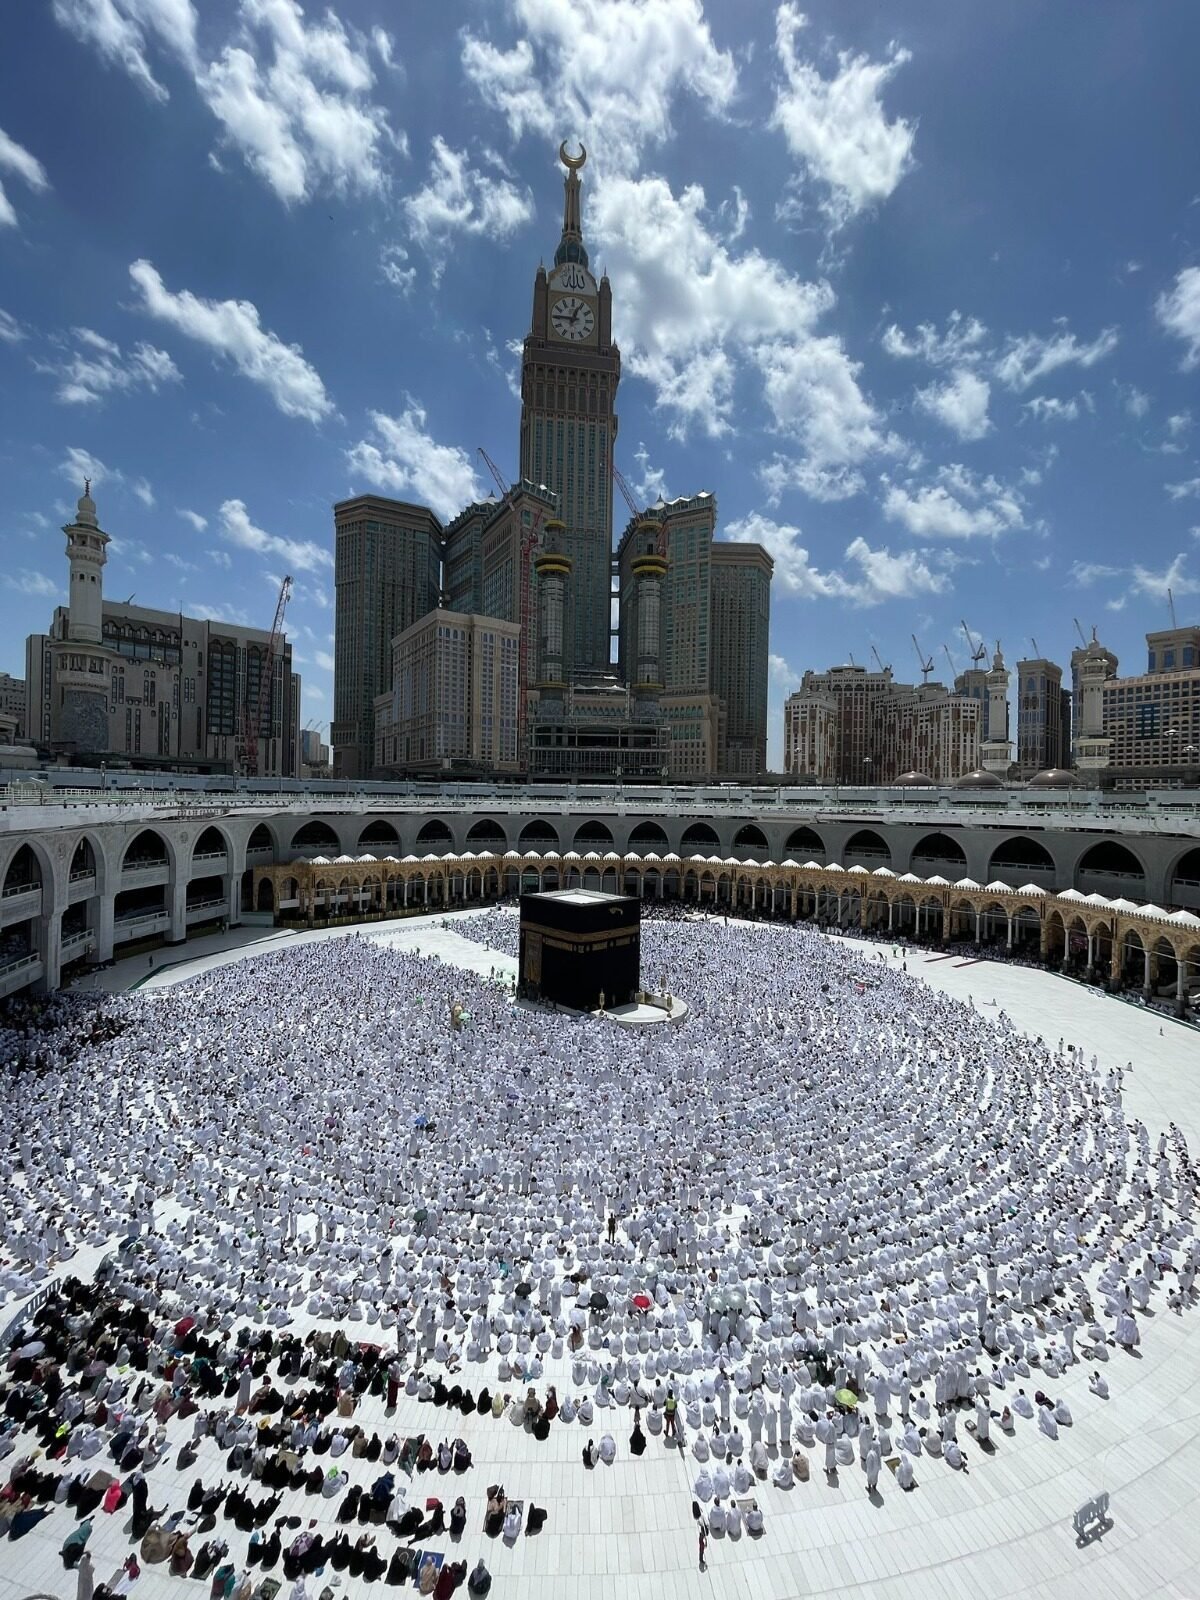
point(599, 1301)
point(523, 1290)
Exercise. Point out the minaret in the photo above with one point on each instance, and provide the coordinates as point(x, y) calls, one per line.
point(997, 746)
point(553, 568)
point(87, 553)
point(1093, 750)
point(648, 568)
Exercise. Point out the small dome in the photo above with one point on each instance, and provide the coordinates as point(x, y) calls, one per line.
point(912, 780)
point(1052, 778)
point(979, 778)
point(85, 506)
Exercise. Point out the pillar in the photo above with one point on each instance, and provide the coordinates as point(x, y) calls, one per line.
point(978, 925)
point(233, 898)
point(891, 914)
point(1180, 987)
point(49, 946)
point(1091, 951)
point(102, 927)
point(1114, 965)
point(177, 909)
point(1009, 915)
point(1149, 968)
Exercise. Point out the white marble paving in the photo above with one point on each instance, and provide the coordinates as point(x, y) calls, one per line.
point(1003, 1530)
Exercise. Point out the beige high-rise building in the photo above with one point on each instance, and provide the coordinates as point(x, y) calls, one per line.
point(852, 726)
point(452, 706)
point(1151, 723)
point(12, 702)
point(387, 574)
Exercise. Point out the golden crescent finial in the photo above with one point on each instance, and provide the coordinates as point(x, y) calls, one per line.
point(572, 163)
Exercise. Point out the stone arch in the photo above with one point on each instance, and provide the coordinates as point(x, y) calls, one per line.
point(1109, 858)
point(697, 835)
point(435, 831)
point(936, 850)
point(266, 895)
point(749, 837)
point(487, 834)
point(148, 848)
point(261, 838)
point(1019, 856)
point(211, 841)
point(1055, 937)
point(538, 835)
point(591, 834)
point(25, 871)
point(648, 836)
point(316, 835)
point(1183, 881)
point(804, 843)
point(866, 848)
point(379, 831)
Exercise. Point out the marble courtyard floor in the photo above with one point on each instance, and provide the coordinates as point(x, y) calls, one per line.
point(627, 1530)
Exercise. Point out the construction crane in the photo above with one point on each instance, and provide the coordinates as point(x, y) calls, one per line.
point(1171, 604)
point(978, 651)
point(495, 472)
point(926, 662)
point(950, 662)
point(1037, 654)
point(252, 720)
point(635, 512)
point(1079, 631)
point(879, 660)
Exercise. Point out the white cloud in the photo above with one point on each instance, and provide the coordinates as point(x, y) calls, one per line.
point(1156, 584)
point(32, 583)
point(79, 464)
point(959, 505)
point(303, 555)
point(198, 522)
point(16, 159)
point(11, 331)
point(880, 575)
point(97, 369)
point(1048, 408)
point(1135, 401)
point(960, 343)
point(119, 30)
point(960, 404)
point(392, 268)
point(837, 126)
point(232, 329)
point(460, 197)
point(404, 460)
point(692, 316)
point(1179, 312)
point(1085, 573)
point(605, 71)
point(651, 482)
point(782, 673)
point(143, 491)
point(1026, 359)
point(1179, 423)
point(324, 660)
point(292, 97)
point(1188, 489)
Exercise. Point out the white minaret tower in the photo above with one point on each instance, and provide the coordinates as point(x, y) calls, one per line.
point(87, 552)
point(1093, 749)
point(997, 746)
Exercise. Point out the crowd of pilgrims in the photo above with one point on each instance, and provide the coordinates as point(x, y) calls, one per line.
point(835, 1222)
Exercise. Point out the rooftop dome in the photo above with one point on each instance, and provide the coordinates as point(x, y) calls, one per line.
point(1052, 778)
point(912, 780)
point(978, 778)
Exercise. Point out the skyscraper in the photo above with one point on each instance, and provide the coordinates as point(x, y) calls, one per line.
point(1039, 716)
point(740, 626)
point(569, 375)
point(387, 574)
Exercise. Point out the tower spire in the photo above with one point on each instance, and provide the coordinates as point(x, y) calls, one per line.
point(571, 245)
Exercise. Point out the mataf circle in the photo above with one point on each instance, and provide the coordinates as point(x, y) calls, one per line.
point(869, 1278)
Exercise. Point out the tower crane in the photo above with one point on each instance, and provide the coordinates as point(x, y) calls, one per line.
point(950, 662)
point(879, 661)
point(1171, 604)
point(495, 472)
point(635, 512)
point(1079, 631)
point(252, 720)
point(926, 662)
point(978, 651)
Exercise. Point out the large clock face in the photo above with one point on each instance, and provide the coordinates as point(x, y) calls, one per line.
point(572, 318)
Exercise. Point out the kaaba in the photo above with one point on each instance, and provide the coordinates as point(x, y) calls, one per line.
point(577, 945)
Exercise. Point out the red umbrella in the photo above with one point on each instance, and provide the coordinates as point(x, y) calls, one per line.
point(642, 1302)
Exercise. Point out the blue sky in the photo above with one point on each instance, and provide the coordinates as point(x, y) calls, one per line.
point(915, 290)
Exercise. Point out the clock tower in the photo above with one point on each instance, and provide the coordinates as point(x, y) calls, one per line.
point(570, 369)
